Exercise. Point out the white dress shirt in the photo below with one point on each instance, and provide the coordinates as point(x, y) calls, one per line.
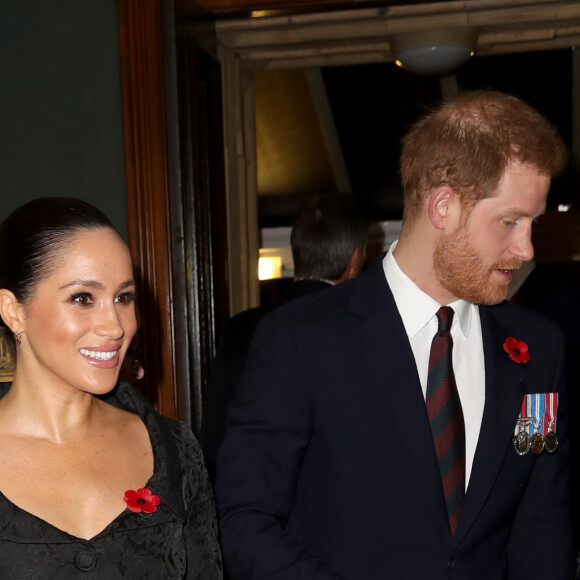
point(418, 311)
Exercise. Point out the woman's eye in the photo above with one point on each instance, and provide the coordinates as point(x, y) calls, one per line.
point(508, 222)
point(81, 298)
point(126, 298)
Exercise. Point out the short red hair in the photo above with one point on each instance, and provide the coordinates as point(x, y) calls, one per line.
point(468, 144)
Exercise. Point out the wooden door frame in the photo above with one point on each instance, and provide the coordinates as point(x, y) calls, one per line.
point(175, 198)
point(154, 208)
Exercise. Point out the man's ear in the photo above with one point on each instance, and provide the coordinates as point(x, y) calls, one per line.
point(354, 267)
point(443, 202)
point(356, 263)
point(11, 310)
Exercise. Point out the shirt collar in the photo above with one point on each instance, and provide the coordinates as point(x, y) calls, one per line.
point(415, 306)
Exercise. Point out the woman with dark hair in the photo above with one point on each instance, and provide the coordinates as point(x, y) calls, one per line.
point(93, 482)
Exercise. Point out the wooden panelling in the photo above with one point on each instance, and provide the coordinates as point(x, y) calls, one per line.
point(241, 183)
point(203, 212)
point(144, 117)
point(174, 151)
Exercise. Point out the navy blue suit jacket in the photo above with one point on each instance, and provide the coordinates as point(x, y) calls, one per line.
point(328, 470)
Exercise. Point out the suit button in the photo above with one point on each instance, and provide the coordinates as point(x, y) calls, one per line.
point(451, 564)
point(85, 561)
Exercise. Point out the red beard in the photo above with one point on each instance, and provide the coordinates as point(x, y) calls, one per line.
point(461, 271)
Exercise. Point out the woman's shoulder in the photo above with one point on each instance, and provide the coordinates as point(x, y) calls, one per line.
point(171, 434)
point(128, 398)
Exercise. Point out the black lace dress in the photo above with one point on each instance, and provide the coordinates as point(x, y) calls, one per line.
point(179, 540)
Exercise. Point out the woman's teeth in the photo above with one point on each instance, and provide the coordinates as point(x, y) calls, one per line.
point(99, 355)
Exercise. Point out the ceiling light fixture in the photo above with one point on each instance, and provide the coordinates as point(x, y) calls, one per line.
point(434, 52)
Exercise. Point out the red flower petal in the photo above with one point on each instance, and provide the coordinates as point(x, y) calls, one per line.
point(131, 498)
point(141, 500)
point(517, 349)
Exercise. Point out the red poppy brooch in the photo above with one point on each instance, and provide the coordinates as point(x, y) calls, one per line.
point(517, 349)
point(142, 501)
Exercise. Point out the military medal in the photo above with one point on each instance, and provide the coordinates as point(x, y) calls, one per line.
point(536, 427)
point(537, 439)
point(537, 402)
point(551, 442)
point(522, 443)
point(521, 440)
point(537, 443)
point(551, 439)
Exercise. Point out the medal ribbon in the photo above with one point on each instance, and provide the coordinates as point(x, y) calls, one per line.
point(551, 412)
point(521, 424)
point(529, 413)
point(541, 410)
point(538, 402)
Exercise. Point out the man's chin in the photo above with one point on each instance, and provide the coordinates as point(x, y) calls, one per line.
point(493, 299)
point(487, 297)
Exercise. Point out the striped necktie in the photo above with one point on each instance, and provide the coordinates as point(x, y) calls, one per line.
point(446, 416)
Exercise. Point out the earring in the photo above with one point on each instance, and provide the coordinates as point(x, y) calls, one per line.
point(18, 337)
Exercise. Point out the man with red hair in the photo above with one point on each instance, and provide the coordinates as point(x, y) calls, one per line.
point(411, 423)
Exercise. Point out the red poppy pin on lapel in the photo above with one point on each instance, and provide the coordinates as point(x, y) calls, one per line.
point(142, 501)
point(517, 349)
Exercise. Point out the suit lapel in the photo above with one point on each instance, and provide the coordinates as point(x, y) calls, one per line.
point(504, 391)
point(380, 336)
